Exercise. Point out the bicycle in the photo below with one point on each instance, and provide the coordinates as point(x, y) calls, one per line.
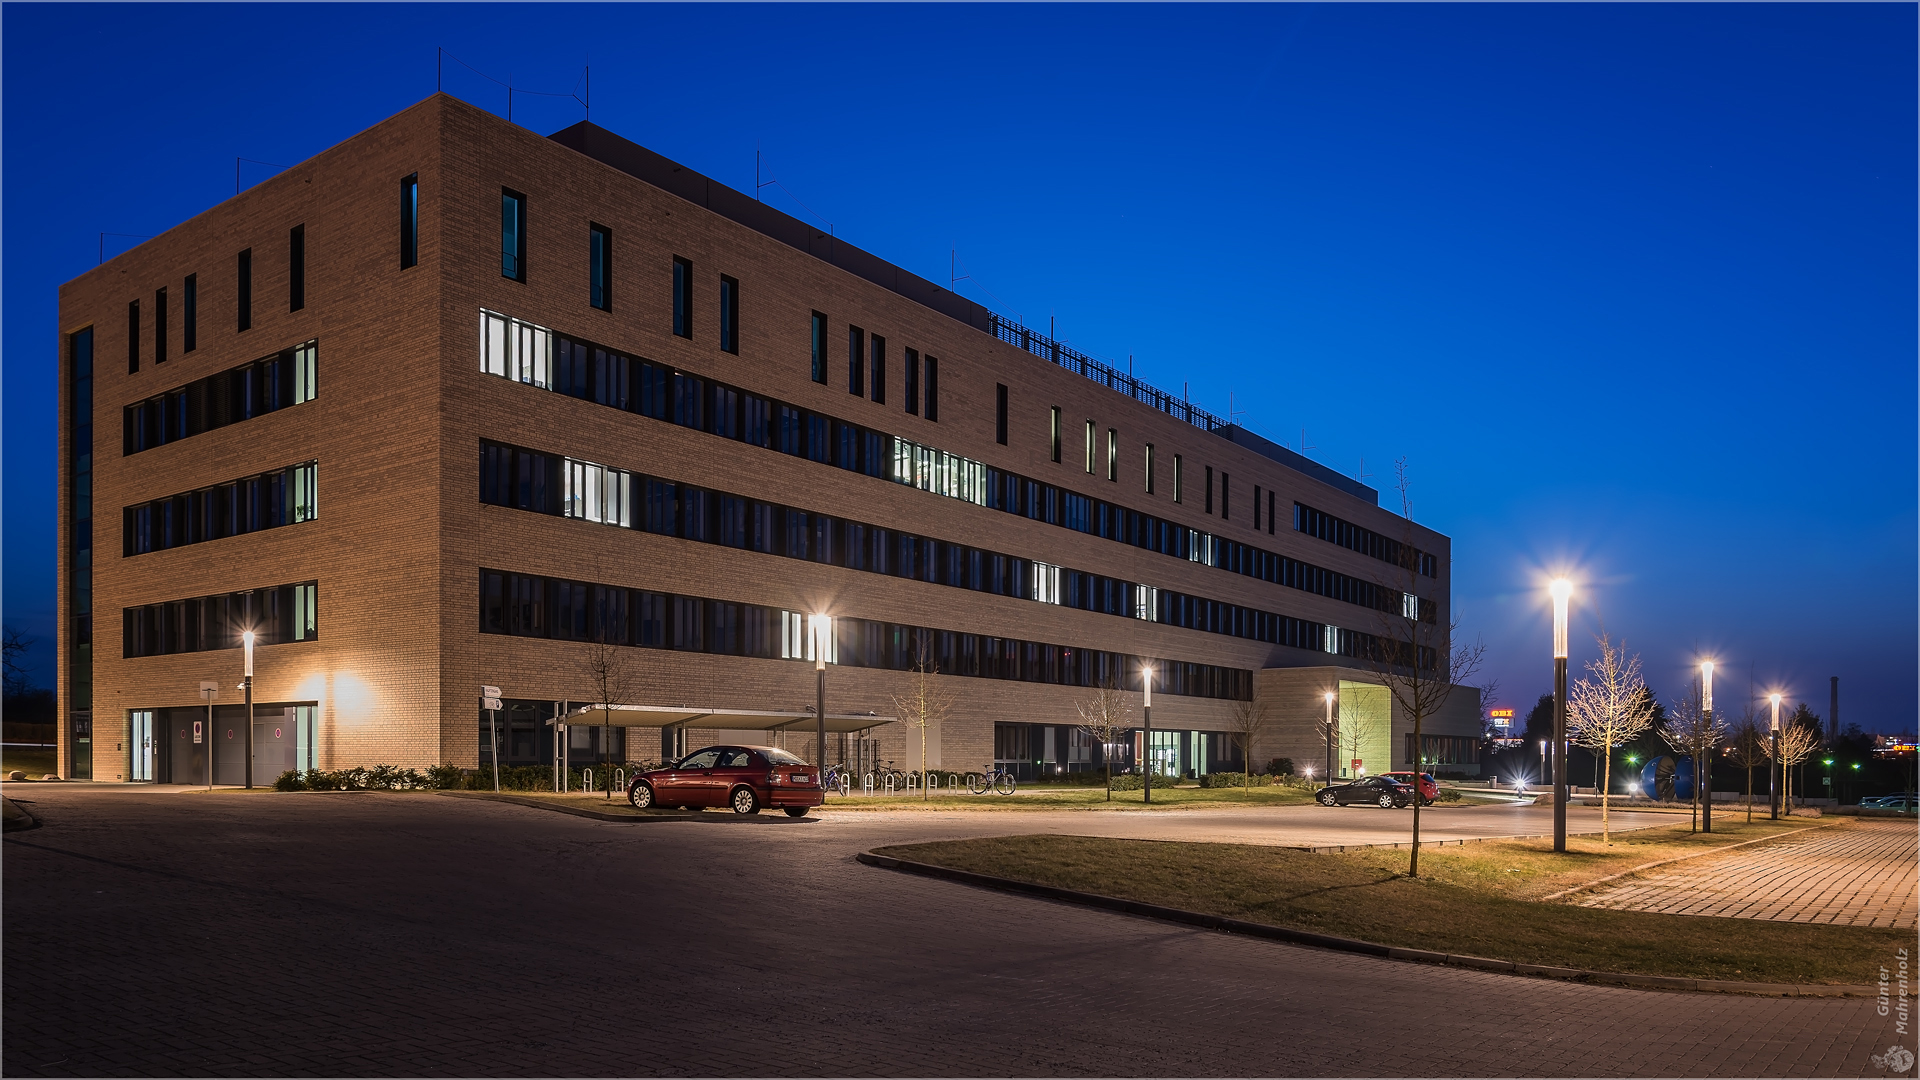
point(877, 779)
point(994, 779)
point(835, 779)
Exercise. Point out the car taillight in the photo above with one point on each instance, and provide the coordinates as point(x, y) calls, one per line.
point(773, 777)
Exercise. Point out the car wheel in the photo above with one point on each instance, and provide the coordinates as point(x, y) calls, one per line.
point(1327, 798)
point(641, 796)
point(745, 801)
point(1388, 802)
point(796, 811)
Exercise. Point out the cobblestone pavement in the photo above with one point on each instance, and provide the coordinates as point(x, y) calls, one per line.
point(1860, 873)
point(367, 934)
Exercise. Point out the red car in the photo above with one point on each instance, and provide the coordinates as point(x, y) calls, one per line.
point(1429, 788)
point(746, 778)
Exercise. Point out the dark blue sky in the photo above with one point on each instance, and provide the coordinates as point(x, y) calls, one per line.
point(1631, 286)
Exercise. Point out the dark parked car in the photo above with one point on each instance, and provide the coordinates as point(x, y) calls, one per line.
point(1429, 787)
point(746, 778)
point(1379, 790)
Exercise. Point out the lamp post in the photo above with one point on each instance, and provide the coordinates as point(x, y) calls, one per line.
point(1331, 697)
point(822, 627)
point(1703, 762)
point(246, 641)
point(1562, 591)
point(1773, 761)
point(1146, 732)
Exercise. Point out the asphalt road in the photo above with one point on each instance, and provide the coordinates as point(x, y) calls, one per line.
point(151, 933)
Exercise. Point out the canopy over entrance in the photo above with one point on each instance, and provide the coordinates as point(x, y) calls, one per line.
point(664, 716)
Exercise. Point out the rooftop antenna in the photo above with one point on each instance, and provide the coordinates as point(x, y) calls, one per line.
point(1363, 474)
point(1233, 414)
point(1303, 443)
point(236, 170)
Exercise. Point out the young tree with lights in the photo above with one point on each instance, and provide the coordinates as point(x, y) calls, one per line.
point(1106, 715)
point(1799, 738)
point(925, 703)
point(1691, 730)
point(1607, 710)
point(1747, 747)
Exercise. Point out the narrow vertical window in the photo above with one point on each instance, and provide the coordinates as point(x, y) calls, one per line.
point(1113, 455)
point(1149, 469)
point(933, 389)
point(1224, 515)
point(1000, 413)
point(1178, 478)
point(1256, 508)
point(1053, 432)
point(133, 336)
point(190, 314)
point(160, 326)
point(245, 291)
point(410, 221)
point(913, 382)
point(297, 268)
point(878, 357)
point(729, 314)
point(1209, 499)
point(683, 298)
point(1089, 451)
point(513, 235)
point(819, 341)
point(600, 266)
point(1269, 513)
point(856, 361)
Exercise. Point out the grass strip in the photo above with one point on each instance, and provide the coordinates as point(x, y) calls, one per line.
point(1473, 900)
point(1080, 798)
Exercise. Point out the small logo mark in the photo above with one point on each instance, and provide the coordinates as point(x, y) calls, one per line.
point(1897, 1059)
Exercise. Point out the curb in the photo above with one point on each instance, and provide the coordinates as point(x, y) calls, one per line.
point(1351, 945)
point(620, 819)
point(1679, 858)
point(1425, 844)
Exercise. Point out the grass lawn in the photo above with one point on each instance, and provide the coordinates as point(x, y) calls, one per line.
point(35, 761)
point(1478, 899)
point(1079, 798)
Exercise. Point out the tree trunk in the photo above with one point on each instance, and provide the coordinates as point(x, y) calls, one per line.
point(1606, 793)
point(1413, 857)
point(1749, 794)
point(923, 763)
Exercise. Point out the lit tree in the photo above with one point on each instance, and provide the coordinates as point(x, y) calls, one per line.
point(1106, 715)
point(1692, 731)
point(610, 671)
point(1245, 724)
point(1799, 738)
point(1417, 656)
point(1747, 747)
point(925, 703)
point(1608, 710)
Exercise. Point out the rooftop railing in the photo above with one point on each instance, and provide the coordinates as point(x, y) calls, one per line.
point(1081, 364)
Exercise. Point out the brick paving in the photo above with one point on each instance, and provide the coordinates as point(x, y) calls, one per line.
point(1859, 873)
point(151, 934)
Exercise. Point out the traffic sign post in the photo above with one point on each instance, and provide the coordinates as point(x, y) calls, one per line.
point(490, 701)
point(209, 689)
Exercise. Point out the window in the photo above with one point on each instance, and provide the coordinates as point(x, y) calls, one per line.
point(1177, 477)
point(1224, 515)
point(1146, 603)
point(913, 382)
point(682, 298)
point(277, 615)
point(1089, 452)
point(1113, 455)
point(190, 314)
point(878, 355)
point(252, 389)
point(1149, 468)
point(1046, 583)
point(517, 350)
point(159, 326)
point(133, 337)
point(263, 501)
point(297, 268)
point(1000, 413)
point(856, 361)
point(933, 389)
point(729, 314)
point(410, 221)
point(1053, 432)
point(513, 235)
point(819, 340)
point(1256, 508)
point(600, 266)
point(1269, 513)
point(245, 291)
point(1209, 489)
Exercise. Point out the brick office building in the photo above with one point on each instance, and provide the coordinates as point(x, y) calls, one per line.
point(449, 401)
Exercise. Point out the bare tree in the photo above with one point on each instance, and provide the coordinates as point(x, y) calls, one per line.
point(14, 645)
point(1691, 730)
point(1106, 715)
point(612, 673)
point(1416, 654)
point(1245, 723)
point(1607, 710)
point(925, 703)
point(1798, 741)
point(1353, 732)
point(1747, 746)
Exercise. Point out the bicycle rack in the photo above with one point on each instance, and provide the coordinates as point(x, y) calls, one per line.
point(620, 779)
point(889, 783)
point(913, 781)
point(953, 783)
point(866, 784)
point(586, 779)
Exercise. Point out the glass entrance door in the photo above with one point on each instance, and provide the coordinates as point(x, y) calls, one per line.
point(140, 745)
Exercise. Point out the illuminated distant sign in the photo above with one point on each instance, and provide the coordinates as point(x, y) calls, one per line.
point(1502, 718)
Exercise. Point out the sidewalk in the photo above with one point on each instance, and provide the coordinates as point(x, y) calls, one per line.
point(1857, 874)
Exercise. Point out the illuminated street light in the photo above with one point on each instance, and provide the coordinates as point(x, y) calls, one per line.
point(1703, 757)
point(246, 640)
point(1562, 591)
point(821, 627)
point(1146, 733)
point(1773, 766)
point(1331, 698)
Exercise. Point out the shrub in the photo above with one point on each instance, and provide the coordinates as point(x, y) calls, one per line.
point(291, 780)
point(1447, 794)
point(1234, 780)
point(443, 777)
point(1132, 781)
point(1280, 766)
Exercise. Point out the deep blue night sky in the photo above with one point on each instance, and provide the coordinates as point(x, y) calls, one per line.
point(1631, 287)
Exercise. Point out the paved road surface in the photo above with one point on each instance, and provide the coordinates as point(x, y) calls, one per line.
point(372, 934)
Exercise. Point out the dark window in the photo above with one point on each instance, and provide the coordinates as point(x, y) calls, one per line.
point(879, 363)
point(513, 235)
point(1000, 413)
point(729, 314)
point(133, 336)
point(683, 298)
point(190, 314)
point(297, 268)
point(1269, 513)
point(819, 348)
point(410, 221)
point(600, 272)
point(913, 382)
point(1053, 432)
point(160, 326)
point(933, 389)
point(1224, 515)
point(245, 292)
point(856, 360)
point(1209, 489)
point(1256, 507)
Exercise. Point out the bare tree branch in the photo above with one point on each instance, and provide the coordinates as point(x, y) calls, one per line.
point(925, 703)
point(1106, 715)
point(1608, 710)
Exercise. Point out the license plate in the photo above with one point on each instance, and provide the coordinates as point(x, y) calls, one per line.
point(800, 778)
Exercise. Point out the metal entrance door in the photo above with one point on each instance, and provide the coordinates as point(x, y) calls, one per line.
point(187, 761)
point(273, 746)
point(140, 745)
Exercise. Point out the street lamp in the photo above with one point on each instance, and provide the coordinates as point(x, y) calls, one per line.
point(822, 628)
point(1146, 731)
point(1562, 591)
point(246, 640)
point(1331, 698)
point(1703, 761)
point(1773, 763)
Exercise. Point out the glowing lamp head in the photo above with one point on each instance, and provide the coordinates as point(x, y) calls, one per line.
point(1706, 685)
point(1562, 590)
point(246, 640)
point(1146, 683)
point(821, 629)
